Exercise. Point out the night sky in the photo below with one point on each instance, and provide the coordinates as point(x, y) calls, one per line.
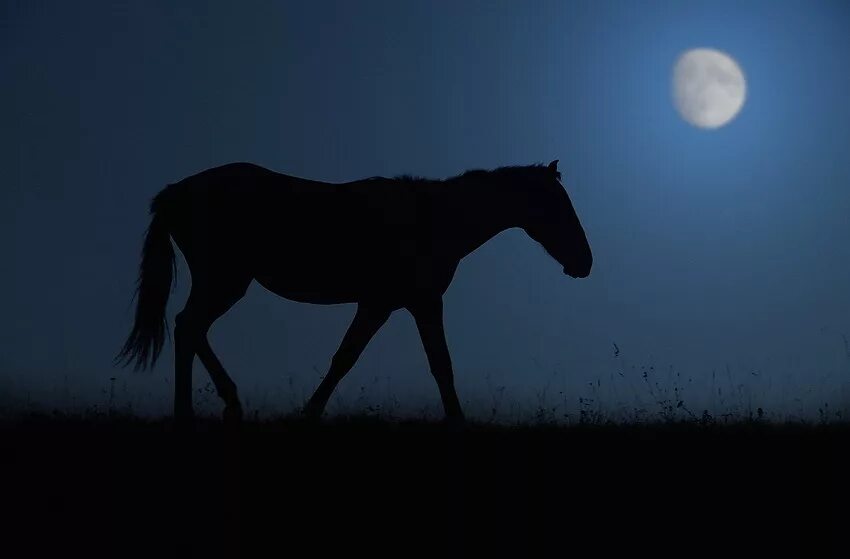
point(720, 257)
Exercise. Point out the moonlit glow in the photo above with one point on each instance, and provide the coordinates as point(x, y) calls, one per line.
point(708, 87)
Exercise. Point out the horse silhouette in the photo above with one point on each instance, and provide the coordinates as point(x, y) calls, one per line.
point(382, 243)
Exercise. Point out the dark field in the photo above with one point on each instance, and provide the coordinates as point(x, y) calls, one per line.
point(118, 485)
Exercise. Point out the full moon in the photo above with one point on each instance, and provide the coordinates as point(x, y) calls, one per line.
point(708, 87)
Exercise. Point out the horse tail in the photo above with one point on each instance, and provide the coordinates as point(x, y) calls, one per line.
point(153, 287)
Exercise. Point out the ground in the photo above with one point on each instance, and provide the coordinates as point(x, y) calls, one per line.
point(360, 485)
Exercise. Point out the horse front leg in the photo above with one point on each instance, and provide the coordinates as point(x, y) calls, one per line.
point(428, 314)
point(367, 321)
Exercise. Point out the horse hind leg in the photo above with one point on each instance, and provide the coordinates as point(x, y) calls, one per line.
point(207, 302)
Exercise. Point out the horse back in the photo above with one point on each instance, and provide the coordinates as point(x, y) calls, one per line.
point(355, 234)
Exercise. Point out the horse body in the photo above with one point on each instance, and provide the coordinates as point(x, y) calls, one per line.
point(317, 242)
point(382, 243)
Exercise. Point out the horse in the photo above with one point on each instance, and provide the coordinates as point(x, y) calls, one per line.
point(382, 243)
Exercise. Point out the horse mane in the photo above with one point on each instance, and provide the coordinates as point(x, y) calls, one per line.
point(499, 174)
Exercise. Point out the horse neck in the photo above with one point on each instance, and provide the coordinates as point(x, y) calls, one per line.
point(480, 211)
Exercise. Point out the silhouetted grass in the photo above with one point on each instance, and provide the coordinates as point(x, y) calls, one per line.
point(363, 481)
point(631, 463)
point(540, 421)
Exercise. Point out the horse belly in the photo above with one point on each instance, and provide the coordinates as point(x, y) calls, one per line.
point(334, 278)
point(309, 281)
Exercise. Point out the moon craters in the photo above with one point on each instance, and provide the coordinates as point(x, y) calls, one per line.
point(708, 87)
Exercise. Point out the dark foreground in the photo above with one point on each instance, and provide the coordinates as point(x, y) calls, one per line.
point(118, 486)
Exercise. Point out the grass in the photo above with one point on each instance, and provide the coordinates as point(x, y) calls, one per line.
point(629, 464)
point(403, 484)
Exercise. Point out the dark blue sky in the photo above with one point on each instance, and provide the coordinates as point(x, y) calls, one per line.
point(718, 250)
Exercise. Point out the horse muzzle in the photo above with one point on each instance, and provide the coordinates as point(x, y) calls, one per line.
point(577, 272)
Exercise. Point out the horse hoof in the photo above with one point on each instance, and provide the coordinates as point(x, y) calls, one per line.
point(311, 415)
point(232, 415)
point(184, 421)
point(455, 422)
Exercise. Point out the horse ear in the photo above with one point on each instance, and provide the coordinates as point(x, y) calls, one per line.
point(553, 166)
